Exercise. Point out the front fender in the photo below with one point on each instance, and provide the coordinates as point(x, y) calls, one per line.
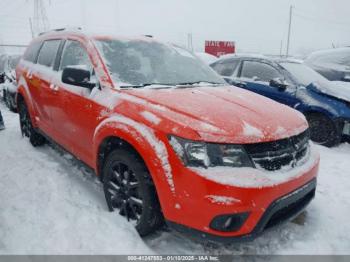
point(152, 147)
point(321, 103)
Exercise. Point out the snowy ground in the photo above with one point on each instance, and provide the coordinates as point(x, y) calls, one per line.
point(51, 205)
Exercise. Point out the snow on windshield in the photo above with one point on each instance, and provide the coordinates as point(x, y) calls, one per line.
point(139, 62)
point(303, 74)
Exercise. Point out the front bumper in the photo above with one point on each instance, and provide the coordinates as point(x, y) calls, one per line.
point(282, 210)
point(266, 202)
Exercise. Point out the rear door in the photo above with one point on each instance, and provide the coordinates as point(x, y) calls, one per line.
point(255, 75)
point(43, 77)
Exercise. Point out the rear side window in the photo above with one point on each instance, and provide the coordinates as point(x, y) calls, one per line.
point(32, 52)
point(74, 54)
point(48, 52)
point(226, 67)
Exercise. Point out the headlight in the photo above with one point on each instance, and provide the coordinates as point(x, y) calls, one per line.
point(194, 153)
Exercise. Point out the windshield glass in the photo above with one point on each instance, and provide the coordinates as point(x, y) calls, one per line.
point(140, 62)
point(303, 74)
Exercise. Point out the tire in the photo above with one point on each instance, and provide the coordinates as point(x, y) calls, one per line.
point(9, 101)
point(323, 130)
point(129, 189)
point(27, 128)
point(6, 99)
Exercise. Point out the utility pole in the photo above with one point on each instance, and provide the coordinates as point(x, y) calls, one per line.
point(189, 42)
point(289, 28)
point(31, 27)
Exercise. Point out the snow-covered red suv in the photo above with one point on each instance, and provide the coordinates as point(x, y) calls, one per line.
point(168, 138)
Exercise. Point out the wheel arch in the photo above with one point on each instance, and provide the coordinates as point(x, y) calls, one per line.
point(22, 95)
point(111, 134)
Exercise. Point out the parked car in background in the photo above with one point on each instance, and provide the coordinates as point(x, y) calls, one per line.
point(9, 85)
point(333, 64)
point(3, 59)
point(153, 120)
point(325, 105)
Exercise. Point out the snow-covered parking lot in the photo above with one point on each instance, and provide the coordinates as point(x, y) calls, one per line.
point(49, 204)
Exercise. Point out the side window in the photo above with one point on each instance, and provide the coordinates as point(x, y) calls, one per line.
point(260, 71)
point(32, 51)
point(226, 67)
point(74, 54)
point(48, 52)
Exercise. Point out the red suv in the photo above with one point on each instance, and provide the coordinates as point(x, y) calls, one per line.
point(170, 141)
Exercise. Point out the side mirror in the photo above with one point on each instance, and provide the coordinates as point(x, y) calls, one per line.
point(78, 77)
point(278, 83)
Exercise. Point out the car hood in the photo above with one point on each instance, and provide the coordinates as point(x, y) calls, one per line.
point(337, 89)
point(216, 114)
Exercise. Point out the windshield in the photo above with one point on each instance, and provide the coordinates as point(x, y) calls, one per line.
point(303, 74)
point(139, 63)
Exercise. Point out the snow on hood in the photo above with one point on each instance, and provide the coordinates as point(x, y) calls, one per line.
point(219, 114)
point(336, 89)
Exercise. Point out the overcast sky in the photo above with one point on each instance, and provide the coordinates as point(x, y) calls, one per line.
point(255, 25)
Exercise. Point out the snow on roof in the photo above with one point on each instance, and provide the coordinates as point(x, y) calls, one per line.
point(241, 55)
point(329, 52)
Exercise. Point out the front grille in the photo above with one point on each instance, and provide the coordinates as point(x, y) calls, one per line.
point(285, 153)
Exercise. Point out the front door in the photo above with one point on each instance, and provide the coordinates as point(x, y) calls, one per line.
point(256, 76)
point(78, 115)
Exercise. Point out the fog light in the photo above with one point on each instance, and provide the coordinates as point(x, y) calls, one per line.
point(228, 223)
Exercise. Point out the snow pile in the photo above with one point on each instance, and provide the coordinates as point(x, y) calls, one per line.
point(49, 206)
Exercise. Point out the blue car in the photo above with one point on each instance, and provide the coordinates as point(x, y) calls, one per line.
point(325, 105)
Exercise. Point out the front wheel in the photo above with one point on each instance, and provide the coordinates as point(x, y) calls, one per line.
point(129, 190)
point(27, 128)
point(323, 130)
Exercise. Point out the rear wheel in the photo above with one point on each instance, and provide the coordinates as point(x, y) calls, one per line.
point(129, 191)
point(27, 128)
point(323, 130)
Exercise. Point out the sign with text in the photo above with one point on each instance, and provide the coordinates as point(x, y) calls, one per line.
point(219, 48)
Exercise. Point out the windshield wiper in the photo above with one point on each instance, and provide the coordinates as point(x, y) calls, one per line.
point(169, 85)
point(161, 85)
point(189, 84)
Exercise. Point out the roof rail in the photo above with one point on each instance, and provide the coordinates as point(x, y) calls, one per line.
point(61, 29)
